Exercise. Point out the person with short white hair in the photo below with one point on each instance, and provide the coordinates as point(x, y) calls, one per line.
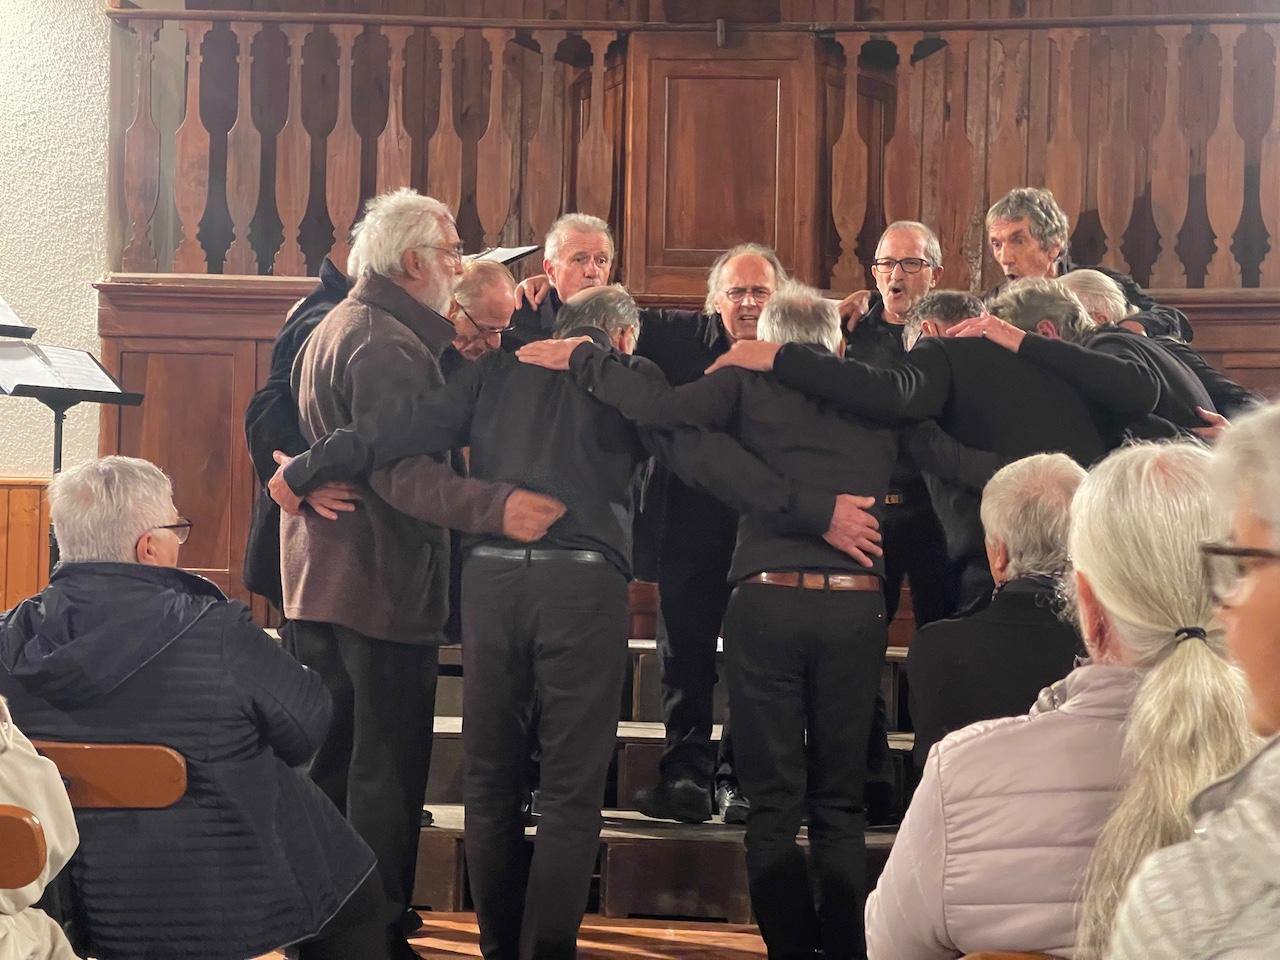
point(1101, 296)
point(123, 646)
point(1024, 830)
point(367, 590)
point(1217, 893)
point(577, 254)
point(993, 659)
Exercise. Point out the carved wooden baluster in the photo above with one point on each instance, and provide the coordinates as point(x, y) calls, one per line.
point(1007, 150)
point(849, 174)
point(1269, 184)
point(543, 188)
point(142, 160)
point(444, 156)
point(957, 201)
point(902, 175)
point(342, 154)
point(395, 148)
point(493, 153)
point(1224, 173)
point(1170, 167)
point(595, 152)
point(1115, 170)
point(244, 158)
point(975, 240)
point(293, 164)
point(1063, 169)
point(191, 167)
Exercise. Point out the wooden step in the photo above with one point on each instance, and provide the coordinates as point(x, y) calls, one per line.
point(647, 867)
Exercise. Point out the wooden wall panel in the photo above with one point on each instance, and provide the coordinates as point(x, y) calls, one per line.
point(24, 539)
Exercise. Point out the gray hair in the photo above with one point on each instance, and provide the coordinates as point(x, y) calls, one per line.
point(1098, 292)
point(780, 276)
point(100, 508)
point(573, 223)
point(393, 223)
point(606, 308)
point(1047, 222)
point(1137, 524)
point(1026, 302)
point(932, 248)
point(1246, 464)
point(1026, 505)
point(945, 307)
point(479, 276)
point(800, 314)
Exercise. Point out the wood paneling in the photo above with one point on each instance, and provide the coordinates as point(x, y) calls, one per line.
point(24, 539)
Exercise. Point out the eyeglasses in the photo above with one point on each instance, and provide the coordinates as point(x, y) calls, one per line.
point(1226, 565)
point(483, 331)
point(181, 529)
point(454, 253)
point(757, 294)
point(908, 264)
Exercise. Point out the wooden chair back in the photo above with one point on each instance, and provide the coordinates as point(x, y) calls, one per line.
point(22, 847)
point(138, 776)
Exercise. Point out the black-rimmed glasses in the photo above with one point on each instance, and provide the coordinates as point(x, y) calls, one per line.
point(908, 264)
point(1226, 565)
point(483, 331)
point(181, 529)
point(455, 252)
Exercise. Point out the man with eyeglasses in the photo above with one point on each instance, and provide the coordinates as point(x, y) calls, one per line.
point(368, 591)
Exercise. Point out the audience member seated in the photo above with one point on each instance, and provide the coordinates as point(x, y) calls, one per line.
point(993, 661)
point(30, 781)
point(1218, 893)
point(994, 847)
point(123, 647)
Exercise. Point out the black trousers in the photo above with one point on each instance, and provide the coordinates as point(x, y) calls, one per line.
point(699, 535)
point(557, 630)
point(373, 764)
point(803, 669)
point(915, 548)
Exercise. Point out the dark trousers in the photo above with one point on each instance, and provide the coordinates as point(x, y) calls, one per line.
point(557, 630)
point(698, 542)
point(373, 763)
point(803, 669)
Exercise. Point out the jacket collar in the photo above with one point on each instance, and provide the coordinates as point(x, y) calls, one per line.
point(1263, 767)
point(595, 333)
point(428, 326)
point(1093, 690)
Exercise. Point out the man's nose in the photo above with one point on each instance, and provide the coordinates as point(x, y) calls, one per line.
point(753, 297)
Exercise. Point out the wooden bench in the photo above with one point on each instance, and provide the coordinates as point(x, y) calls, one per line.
point(135, 776)
point(22, 847)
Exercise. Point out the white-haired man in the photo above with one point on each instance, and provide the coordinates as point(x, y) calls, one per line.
point(369, 589)
point(993, 661)
point(804, 630)
point(577, 254)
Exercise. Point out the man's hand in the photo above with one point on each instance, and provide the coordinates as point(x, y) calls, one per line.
point(532, 290)
point(991, 328)
point(748, 354)
point(1216, 424)
point(551, 354)
point(854, 307)
point(853, 530)
point(327, 501)
point(527, 516)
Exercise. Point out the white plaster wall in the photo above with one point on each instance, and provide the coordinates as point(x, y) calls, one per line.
point(55, 88)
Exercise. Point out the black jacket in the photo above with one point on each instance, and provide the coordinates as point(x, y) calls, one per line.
point(271, 423)
point(254, 856)
point(532, 323)
point(792, 433)
point(537, 430)
point(1229, 398)
point(990, 663)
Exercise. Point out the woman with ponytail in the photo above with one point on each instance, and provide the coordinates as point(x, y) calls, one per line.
point(1144, 600)
point(1217, 892)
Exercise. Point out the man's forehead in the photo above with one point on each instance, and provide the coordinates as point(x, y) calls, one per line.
point(747, 267)
point(585, 240)
point(908, 242)
point(1008, 228)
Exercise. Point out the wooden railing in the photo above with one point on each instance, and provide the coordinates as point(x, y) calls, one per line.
point(1160, 136)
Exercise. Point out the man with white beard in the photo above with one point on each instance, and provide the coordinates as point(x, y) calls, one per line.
point(368, 591)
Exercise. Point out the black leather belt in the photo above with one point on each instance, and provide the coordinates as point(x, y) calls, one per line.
point(529, 554)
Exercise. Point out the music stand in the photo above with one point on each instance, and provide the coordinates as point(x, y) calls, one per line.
point(60, 378)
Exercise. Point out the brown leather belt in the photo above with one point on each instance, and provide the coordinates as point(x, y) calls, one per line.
point(818, 581)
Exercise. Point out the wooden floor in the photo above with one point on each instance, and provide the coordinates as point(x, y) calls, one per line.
point(451, 935)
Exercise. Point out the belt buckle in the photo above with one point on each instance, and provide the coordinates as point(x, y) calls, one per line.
point(813, 581)
point(893, 499)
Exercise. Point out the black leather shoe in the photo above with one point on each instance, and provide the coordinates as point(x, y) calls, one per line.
point(427, 818)
point(684, 800)
point(878, 797)
point(731, 804)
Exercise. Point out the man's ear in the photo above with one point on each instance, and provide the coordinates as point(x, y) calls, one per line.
point(1046, 329)
point(930, 328)
point(145, 549)
point(937, 275)
point(412, 265)
point(549, 269)
point(841, 346)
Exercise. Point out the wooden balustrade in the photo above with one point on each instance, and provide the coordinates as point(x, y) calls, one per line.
point(1159, 136)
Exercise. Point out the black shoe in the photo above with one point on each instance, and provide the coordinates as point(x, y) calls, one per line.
point(731, 804)
point(428, 819)
point(410, 922)
point(529, 809)
point(683, 800)
point(881, 811)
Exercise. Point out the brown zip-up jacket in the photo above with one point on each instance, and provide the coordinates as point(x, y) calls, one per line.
point(382, 570)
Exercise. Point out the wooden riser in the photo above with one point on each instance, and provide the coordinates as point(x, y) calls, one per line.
point(646, 868)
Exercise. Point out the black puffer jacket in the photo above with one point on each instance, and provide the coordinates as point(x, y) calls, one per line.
point(253, 857)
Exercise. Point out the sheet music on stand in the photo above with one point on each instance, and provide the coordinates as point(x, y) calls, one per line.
point(57, 374)
point(10, 325)
point(504, 255)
